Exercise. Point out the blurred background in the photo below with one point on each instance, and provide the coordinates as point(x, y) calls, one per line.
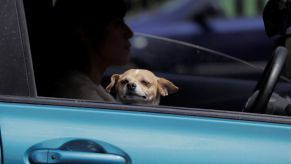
point(234, 27)
point(231, 8)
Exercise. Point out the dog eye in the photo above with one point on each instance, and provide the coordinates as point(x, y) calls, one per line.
point(125, 81)
point(146, 83)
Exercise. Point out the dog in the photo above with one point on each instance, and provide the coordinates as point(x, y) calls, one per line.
point(140, 86)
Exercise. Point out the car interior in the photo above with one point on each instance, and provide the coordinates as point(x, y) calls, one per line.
point(196, 91)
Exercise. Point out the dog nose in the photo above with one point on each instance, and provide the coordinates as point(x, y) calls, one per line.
point(131, 86)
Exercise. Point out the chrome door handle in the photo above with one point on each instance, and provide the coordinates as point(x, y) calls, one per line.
point(73, 157)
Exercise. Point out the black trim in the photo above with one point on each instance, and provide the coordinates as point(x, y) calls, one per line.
point(150, 109)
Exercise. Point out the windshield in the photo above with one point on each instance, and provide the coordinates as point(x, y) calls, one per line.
point(167, 55)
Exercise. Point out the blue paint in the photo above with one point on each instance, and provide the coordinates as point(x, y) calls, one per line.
point(145, 137)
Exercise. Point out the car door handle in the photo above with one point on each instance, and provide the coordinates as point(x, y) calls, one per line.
point(73, 157)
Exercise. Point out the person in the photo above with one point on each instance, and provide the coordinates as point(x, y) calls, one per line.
point(88, 36)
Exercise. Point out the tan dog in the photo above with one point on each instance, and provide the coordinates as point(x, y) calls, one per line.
point(139, 86)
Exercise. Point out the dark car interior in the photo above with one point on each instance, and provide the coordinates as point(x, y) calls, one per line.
point(37, 16)
point(195, 91)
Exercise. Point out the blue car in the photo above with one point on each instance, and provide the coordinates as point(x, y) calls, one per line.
point(206, 23)
point(205, 122)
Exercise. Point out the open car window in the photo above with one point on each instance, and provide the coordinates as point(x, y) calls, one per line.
point(172, 56)
point(206, 78)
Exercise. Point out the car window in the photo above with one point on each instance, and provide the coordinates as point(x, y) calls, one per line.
point(206, 78)
point(171, 56)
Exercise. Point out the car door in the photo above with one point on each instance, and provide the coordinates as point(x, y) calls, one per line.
point(53, 130)
point(71, 131)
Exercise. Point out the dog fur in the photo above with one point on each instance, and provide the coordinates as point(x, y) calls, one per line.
point(140, 86)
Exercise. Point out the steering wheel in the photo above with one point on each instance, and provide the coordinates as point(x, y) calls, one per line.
point(267, 82)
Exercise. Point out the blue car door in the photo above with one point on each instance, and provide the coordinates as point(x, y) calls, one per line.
point(37, 131)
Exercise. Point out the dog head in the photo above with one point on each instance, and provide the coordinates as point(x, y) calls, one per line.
point(139, 86)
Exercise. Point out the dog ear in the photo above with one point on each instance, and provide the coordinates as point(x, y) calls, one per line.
point(165, 87)
point(114, 79)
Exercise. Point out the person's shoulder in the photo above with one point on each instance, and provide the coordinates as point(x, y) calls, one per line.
point(72, 85)
point(77, 77)
point(78, 85)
